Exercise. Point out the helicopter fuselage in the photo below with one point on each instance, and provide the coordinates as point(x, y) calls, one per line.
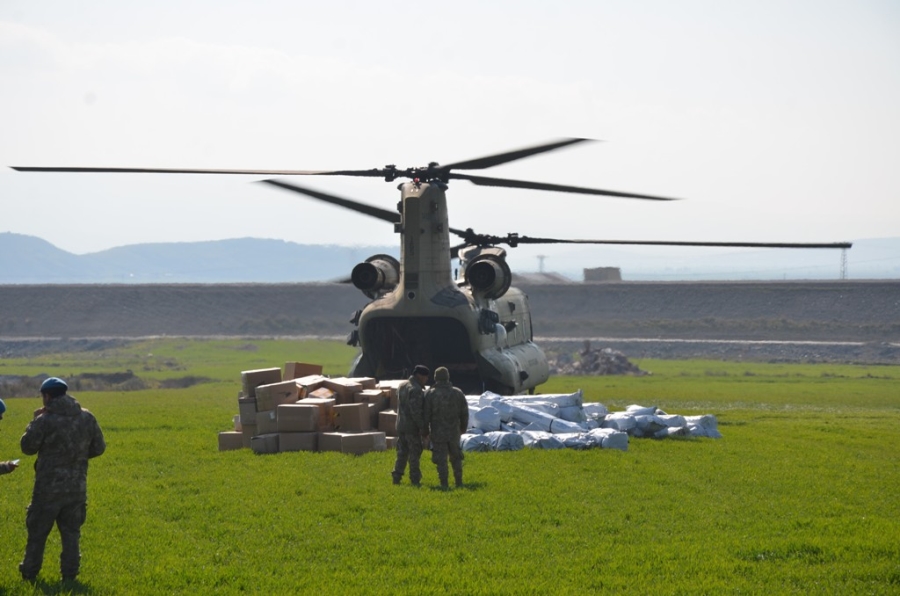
point(433, 319)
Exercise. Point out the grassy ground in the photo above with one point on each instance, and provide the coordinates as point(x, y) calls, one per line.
point(800, 496)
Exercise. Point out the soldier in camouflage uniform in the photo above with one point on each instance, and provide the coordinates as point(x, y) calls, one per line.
point(5, 466)
point(447, 416)
point(64, 436)
point(411, 428)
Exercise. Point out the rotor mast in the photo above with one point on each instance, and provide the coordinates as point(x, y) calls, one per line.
point(425, 240)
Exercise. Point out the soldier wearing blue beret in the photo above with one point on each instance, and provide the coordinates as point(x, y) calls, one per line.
point(64, 436)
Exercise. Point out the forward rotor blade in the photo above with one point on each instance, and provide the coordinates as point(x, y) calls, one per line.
point(370, 173)
point(480, 163)
point(370, 210)
point(513, 240)
point(506, 183)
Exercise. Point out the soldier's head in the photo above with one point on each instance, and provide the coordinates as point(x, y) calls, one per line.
point(421, 371)
point(442, 374)
point(53, 387)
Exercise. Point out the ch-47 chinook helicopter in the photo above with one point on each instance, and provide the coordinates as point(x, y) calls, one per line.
point(474, 323)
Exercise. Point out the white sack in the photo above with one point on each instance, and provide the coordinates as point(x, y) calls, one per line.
point(544, 421)
point(501, 441)
point(572, 414)
point(619, 421)
point(563, 400)
point(503, 408)
point(548, 408)
point(608, 438)
point(636, 410)
point(469, 442)
point(672, 419)
point(595, 410)
point(487, 419)
point(673, 431)
point(649, 424)
point(703, 426)
point(486, 398)
point(576, 440)
point(541, 440)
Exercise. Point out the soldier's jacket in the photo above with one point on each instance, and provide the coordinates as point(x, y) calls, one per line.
point(410, 407)
point(446, 412)
point(64, 437)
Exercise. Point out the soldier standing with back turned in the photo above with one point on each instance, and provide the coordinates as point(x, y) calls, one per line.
point(447, 416)
point(64, 436)
point(411, 428)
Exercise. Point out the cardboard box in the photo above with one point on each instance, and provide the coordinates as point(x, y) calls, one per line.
point(366, 382)
point(356, 443)
point(373, 416)
point(322, 393)
point(247, 410)
point(326, 411)
point(298, 441)
point(248, 431)
point(372, 396)
point(229, 440)
point(343, 388)
point(311, 382)
point(266, 422)
point(268, 397)
point(267, 443)
point(387, 422)
point(292, 418)
point(251, 379)
point(351, 417)
point(295, 370)
point(392, 387)
point(390, 442)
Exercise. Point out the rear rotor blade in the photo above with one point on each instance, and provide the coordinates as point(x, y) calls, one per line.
point(493, 160)
point(369, 173)
point(512, 240)
point(506, 183)
point(370, 210)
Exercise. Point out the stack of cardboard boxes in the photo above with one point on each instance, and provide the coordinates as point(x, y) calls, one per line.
point(300, 409)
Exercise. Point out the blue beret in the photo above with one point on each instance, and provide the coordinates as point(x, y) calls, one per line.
point(2, 406)
point(53, 383)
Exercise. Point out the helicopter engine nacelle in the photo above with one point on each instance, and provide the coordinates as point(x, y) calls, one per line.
point(488, 273)
point(379, 273)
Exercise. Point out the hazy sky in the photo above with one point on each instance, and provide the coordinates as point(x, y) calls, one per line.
point(774, 120)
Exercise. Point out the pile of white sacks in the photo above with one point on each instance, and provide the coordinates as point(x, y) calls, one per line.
point(557, 421)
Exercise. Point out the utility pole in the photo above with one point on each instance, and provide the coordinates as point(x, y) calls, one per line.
point(843, 264)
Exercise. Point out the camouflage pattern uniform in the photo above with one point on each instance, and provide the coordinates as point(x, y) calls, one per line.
point(410, 429)
point(447, 416)
point(64, 436)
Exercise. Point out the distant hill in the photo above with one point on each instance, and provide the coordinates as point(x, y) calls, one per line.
point(30, 260)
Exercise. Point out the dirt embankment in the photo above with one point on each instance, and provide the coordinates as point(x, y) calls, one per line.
point(647, 319)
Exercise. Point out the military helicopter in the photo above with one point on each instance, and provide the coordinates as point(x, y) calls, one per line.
point(474, 323)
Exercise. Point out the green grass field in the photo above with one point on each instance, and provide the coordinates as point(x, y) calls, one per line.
point(799, 496)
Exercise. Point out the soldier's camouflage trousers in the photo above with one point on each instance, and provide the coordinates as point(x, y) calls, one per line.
point(443, 450)
point(68, 513)
point(409, 449)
